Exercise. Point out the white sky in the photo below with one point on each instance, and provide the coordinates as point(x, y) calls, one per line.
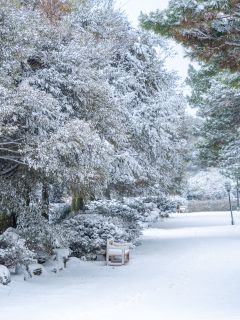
point(133, 8)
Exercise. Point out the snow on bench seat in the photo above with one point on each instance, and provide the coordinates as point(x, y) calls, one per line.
point(117, 252)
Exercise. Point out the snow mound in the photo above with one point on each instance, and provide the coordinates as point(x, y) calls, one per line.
point(54, 266)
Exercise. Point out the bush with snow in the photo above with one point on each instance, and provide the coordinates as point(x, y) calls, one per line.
point(169, 204)
point(14, 252)
point(82, 233)
point(4, 275)
point(145, 206)
point(35, 269)
point(59, 211)
point(87, 232)
point(41, 236)
point(35, 229)
point(209, 185)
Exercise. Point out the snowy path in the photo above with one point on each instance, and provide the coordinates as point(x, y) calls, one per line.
point(187, 268)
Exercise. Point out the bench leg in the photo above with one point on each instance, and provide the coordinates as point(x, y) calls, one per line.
point(123, 259)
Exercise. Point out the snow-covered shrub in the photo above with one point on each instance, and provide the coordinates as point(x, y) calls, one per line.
point(35, 269)
point(4, 275)
point(40, 235)
point(165, 204)
point(37, 232)
point(87, 233)
point(59, 211)
point(169, 204)
point(131, 211)
point(143, 209)
point(14, 252)
point(54, 265)
point(62, 255)
point(209, 185)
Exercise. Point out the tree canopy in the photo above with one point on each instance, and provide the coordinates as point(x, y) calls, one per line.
point(85, 103)
point(209, 30)
point(218, 104)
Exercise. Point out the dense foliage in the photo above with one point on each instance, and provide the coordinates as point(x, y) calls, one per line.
point(86, 232)
point(217, 98)
point(87, 102)
point(209, 185)
point(209, 30)
point(86, 108)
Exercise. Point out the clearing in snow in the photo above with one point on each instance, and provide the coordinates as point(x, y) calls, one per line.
point(188, 267)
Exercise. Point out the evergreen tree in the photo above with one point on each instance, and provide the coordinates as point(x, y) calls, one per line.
point(209, 30)
point(54, 86)
point(85, 103)
point(155, 112)
point(215, 94)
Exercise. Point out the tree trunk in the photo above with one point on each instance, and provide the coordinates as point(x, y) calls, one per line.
point(73, 206)
point(27, 196)
point(45, 200)
point(5, 221)
point(13, 220)
point(80, 204)
point(108, 194)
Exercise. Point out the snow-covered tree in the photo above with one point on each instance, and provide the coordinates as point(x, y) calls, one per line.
point(85, 103)
point(215, 94)
point(56, 84)
point(155, 111)
point(209, 30)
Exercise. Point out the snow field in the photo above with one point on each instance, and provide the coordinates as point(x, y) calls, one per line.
point(187, 268)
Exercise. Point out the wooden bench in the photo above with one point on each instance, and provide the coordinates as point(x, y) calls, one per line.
point(182, 208)
point(117, 250)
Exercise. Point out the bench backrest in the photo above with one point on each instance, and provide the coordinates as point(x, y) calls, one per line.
point(182, 208)
point(109, 242)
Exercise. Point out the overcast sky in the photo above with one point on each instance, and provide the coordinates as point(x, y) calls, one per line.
point(133, 8)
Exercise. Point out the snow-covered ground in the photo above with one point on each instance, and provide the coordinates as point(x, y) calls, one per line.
point(188, 267)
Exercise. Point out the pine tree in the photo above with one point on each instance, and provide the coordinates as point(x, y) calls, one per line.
point(209, 30)
point(85, 103)
point(215, 94)
point(155, 111)
point(56, 86)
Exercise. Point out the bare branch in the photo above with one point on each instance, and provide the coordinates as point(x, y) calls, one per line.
point(9, 169)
